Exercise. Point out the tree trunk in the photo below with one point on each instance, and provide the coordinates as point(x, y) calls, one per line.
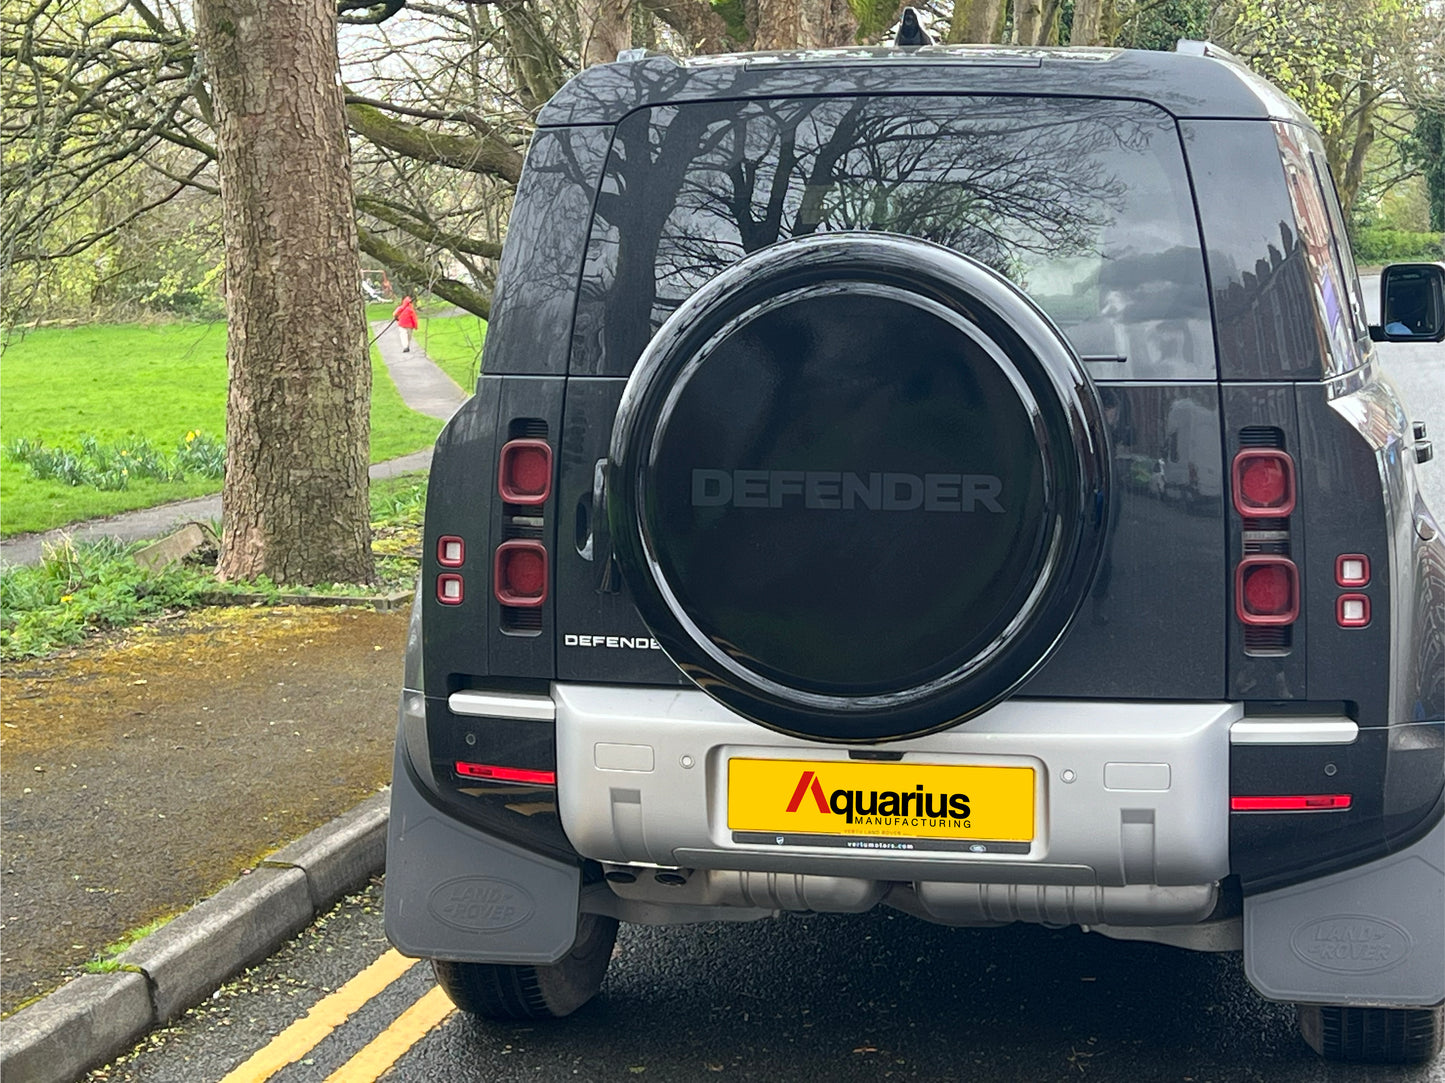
point(705, 30)
point(294, 505)
point(606, 29)
point(977, 21)
point(802, 24)
point(1364, 129)
point(1086, 28)
point(1028, 15)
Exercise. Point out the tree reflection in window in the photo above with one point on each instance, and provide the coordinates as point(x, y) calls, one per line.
point(1083, 203)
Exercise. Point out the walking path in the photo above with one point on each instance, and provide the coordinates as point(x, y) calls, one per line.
point(423, 386)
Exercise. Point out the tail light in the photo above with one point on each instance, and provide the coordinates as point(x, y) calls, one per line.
point(1266, 591)
point(1263, 483)
point(521, 563)
point(519, 576)
point(524, 472)
point(1266, 580)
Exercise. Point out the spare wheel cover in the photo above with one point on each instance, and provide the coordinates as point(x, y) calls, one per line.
point(857, 486)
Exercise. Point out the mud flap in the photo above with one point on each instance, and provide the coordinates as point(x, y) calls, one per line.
point(455, 893)
point(1373, 936)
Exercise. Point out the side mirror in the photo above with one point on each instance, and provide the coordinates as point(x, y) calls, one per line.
point(1412, 303)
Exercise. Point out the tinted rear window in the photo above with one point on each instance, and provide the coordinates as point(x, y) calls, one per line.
point(1083, 203)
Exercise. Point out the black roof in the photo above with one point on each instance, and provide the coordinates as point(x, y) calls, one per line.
point(1188, 84)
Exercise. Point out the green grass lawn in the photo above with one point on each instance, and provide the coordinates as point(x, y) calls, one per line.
point(157, 381)
point(455, 344)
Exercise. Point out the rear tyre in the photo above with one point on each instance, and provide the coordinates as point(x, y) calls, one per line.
point(499, 991)
point(1373, 1035)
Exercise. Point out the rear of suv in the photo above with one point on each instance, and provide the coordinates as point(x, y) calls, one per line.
point(948, 478)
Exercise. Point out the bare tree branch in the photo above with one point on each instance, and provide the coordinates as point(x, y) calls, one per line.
point(403, 266)
point(489, 155)
point(425, 231)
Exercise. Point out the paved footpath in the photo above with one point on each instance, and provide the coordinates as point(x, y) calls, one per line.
point(423, 386)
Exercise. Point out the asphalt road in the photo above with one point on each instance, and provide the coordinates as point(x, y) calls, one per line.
point(806, 997)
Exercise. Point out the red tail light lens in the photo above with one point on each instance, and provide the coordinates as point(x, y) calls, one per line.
point(1263, 483)
point(520, 573)
point(524, 474)
point(1266, 590)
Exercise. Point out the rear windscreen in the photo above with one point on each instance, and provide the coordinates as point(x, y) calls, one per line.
point(1083, 203)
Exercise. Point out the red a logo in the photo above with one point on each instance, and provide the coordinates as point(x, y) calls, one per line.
point(809, 783)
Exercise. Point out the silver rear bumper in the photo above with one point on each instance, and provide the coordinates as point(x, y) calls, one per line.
point(1126, 794)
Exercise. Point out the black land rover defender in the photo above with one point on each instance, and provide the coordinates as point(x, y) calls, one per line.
point(950, 478)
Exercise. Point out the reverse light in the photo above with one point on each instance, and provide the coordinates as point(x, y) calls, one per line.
point(1352, 610)
point(524, 472)
point(1266, 590)
point(493, 773)
point(449, 589)
point(1315, 802)
point(1263, 483)
point(520, 573)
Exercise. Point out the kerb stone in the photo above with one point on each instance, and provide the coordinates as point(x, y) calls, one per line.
point(81, 1025)
point(341, 856)
point(239, 925)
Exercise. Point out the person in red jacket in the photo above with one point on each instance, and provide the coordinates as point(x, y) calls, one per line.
point(405, 316)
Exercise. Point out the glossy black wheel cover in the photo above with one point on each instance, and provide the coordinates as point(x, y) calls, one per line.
point(857, 487)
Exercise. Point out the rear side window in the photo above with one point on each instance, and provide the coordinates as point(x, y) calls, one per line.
point(1085, 204)
point(1326, 249)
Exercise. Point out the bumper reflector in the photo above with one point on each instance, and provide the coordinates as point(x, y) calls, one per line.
point(1315, 802)
point(506, 774)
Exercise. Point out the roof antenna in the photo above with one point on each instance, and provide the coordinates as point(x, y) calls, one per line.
point(910, 30)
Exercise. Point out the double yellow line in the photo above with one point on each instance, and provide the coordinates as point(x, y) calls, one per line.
point(331, 1011)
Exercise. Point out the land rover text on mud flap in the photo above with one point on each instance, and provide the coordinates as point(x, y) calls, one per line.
point(952, 478)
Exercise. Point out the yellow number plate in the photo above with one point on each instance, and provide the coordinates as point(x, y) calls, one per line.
point(894, 800)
